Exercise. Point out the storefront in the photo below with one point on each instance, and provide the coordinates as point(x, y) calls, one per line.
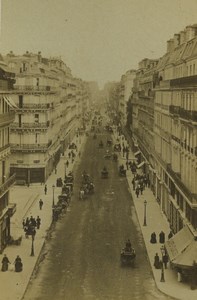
point(182, 252)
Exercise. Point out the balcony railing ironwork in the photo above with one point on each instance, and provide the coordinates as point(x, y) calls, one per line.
point(41, 88)
point(7, 184)
point(7, 118)
point(183, 113)
point(30, 125)
point(27, 147)
point(181, 185)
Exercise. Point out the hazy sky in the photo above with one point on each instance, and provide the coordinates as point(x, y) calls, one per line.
point(98, 39)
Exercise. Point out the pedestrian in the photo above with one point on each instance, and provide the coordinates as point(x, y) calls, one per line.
point(24, 223)
point(137, 192)
point(165, 260)
point(27, 222)
point(18, 264)
point(38, 222)
point(141, 188)
point(5, 262)
point(45, 189)
point(40, 204)
point(153, 239)
point(127, 165)
point(162, 237)
point(67, 163)
point(69, 154)
point(157, 261)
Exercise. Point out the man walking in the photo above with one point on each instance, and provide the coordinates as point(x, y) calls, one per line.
point(45, 189)
point(40, 204)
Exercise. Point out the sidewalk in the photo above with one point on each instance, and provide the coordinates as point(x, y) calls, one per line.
point(156, 221)
point(12, 284)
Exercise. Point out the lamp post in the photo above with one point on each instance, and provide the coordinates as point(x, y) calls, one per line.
point(145, 203)
point(32, 244)
point(53, 186)
point(162, 268)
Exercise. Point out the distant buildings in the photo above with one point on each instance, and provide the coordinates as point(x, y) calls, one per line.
point(7, 116)
point(126, 85)
point(50, 103)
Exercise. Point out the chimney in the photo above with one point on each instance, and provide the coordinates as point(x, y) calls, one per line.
point(190, 32)
point(176, 40)
point(182, 37)
point(39, 56)
point(170, 45)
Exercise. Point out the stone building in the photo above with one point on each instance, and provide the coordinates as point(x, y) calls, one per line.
point(46, 117)
point(164, 127)
point(7, 209)
point(175, 130)
point(142, 102)
point(126, 85)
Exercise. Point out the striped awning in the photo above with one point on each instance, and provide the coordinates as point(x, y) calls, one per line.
point(178, 243)
point(10, 101)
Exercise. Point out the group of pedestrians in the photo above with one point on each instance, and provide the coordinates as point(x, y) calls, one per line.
point(30, 225)
point(158, 262)
point(18, 265)
point(139, 182)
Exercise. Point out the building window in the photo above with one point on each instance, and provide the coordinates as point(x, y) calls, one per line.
point(20, 101)
point(36, 138)
point(36, 118)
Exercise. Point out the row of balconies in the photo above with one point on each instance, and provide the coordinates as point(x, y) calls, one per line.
point(181, 185)
point(183, 113)
point(7, 118)
point(6, 185)
point(25, 125)
point(192, 150)
point(187, 81)
point(30, 147)
point(39, 88)
point(35, 106)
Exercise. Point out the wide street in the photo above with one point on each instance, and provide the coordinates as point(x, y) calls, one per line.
point(82, 258)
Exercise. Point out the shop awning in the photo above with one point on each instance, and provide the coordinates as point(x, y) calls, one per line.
point(178, 243)
point(136, 153)
point(141, 164)
point(187, 257)
point(10, 102)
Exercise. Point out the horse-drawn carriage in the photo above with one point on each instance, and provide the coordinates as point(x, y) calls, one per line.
point(87, 186)
point(127, 254)
point(104, 173)
point(127, 257)
point(122, 171)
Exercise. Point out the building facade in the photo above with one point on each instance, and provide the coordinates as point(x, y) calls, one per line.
point(7, 116)
point(175, 130)
point(46, 118)
point(126, 85)
point(164, 127)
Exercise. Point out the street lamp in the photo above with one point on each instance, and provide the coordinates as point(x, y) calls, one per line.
point(32, 244)
point(162, 268)
point(53, 195)
point(145, 203)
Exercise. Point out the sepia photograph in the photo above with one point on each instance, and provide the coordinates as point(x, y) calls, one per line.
point(98, 149)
